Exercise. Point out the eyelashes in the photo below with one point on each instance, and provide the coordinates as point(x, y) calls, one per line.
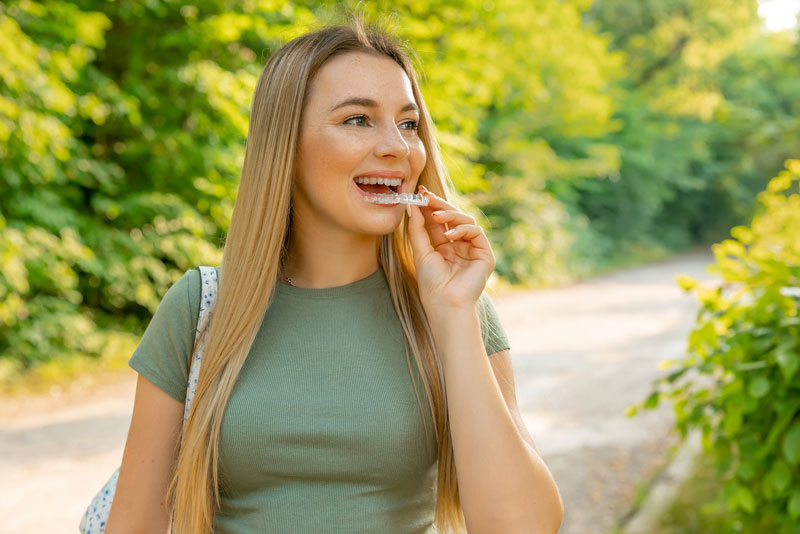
point(414, 124)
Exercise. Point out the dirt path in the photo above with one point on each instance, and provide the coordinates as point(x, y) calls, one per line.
point(581, 355)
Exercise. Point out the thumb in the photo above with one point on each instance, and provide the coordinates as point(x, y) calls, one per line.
point(420, 242)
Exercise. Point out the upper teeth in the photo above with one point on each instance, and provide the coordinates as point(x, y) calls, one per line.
point(385, 181)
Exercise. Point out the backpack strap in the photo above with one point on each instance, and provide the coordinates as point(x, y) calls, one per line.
point(208, 294)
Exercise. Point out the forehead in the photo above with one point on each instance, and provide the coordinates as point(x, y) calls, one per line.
point(360, 74)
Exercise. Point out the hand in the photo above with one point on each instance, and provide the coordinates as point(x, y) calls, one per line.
point(452, 270)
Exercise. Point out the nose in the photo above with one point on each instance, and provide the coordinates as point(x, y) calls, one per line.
point(391, 142)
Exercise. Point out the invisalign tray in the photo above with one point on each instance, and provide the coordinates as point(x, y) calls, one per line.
point(397, 198)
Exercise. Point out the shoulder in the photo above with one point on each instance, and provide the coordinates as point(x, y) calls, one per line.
point(183, 297)
point(162, 354)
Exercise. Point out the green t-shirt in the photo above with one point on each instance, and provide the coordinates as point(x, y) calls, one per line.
point(322, 432)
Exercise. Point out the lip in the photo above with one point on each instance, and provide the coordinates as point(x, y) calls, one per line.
point(381, 174)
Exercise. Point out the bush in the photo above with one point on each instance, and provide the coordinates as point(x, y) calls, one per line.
point(744, 349)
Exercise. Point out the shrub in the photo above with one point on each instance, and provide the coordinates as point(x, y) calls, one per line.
point(743, 352)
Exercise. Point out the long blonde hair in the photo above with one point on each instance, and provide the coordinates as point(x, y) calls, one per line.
point(254, 252)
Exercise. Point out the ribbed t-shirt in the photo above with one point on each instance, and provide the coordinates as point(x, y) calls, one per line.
point(322, 432)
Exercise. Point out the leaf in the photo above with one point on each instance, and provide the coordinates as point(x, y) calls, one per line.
point(652, 400)
point(791, 444)
point(781, 475)
point(778, 427)
point(746, 500)
point(746, 470)
point(758, 387)
point(733, 422)
point(787, 359)
point(793, 506)
point(687, 283)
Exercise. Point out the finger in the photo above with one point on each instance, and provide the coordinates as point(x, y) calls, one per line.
point(453, 216)
point(417, 235)
point(469, 232)
point(436, 202)
point(437, 228)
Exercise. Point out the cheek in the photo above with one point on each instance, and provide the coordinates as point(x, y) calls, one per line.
point(338, 152)
point(325, 155)
point(418, 156)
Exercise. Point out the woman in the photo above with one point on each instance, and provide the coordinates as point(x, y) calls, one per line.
point(335, 318)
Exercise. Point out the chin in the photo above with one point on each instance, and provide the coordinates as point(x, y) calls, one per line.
point(386, 226)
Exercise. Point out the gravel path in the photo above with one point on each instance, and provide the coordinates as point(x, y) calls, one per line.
point(582, 354)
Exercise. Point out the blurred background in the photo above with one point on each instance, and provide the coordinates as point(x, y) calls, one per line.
point(585, 136)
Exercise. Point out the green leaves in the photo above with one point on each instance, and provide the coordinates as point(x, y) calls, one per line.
point(745, 499)
point(793, 507)
point(787, 357)
point(780, 476)
point(758, 386)
point(745, 342)
point(791, 445)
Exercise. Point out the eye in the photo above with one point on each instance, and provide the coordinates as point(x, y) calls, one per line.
point(410, 124)
point(361, 117)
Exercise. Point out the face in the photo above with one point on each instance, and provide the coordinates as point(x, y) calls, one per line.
point(360, 118)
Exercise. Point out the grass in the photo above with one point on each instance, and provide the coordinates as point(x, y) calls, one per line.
point(74, 370)
point(697, 509)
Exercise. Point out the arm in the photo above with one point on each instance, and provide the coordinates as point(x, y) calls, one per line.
point(147, 463)
point(504, 484)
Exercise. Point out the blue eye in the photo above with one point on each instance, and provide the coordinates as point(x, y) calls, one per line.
point(414, 125)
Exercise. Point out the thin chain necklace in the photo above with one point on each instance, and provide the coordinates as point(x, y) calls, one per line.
point(282, 275)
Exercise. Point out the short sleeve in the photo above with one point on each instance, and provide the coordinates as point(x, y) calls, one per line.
point(492, 331)
point(162, 355)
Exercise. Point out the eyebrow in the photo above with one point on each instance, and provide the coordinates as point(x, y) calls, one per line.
point(369, 103)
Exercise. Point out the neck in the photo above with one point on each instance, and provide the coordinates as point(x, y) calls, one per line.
point(328, 270)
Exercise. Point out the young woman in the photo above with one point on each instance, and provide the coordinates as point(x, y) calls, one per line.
point(356, 377)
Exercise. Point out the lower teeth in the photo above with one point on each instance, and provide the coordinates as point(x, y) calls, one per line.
point(397, 198)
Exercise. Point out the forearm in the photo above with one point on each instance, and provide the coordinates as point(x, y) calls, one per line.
point(504, 484)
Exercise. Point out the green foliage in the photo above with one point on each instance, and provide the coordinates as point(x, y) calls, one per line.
point(745, 353)
point(696, 510)
point(708, 108)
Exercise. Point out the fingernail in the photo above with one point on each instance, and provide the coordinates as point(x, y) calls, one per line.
point(450, 231)
point(438, 212)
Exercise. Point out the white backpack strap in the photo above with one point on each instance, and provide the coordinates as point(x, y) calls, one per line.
point(208, 294)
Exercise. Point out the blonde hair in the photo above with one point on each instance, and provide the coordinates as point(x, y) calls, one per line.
point(253, 254)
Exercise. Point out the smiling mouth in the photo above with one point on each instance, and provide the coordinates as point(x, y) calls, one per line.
point(377, 189)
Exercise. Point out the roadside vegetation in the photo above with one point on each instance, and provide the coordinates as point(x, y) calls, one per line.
point(739, 383)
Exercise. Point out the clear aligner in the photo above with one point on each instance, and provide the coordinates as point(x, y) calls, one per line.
point(395, 198)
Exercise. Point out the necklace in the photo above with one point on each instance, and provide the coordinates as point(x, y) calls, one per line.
point(282, 274)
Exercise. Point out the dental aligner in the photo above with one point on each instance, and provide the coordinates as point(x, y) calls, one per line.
point(401, 198)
